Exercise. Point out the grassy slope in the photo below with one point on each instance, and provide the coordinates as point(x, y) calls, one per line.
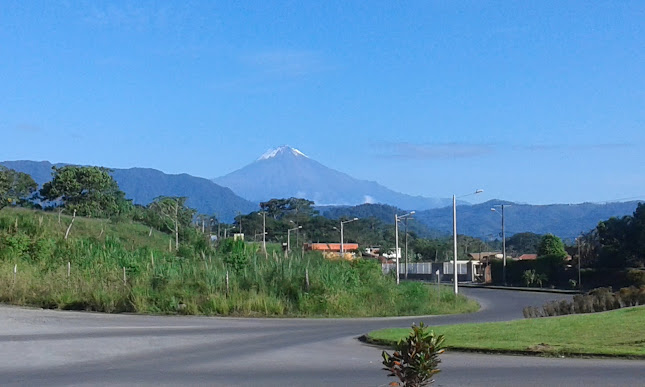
point(615, 333)
point(133, 235)
point(99, 249)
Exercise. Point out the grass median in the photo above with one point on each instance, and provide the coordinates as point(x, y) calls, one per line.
point(615, 333)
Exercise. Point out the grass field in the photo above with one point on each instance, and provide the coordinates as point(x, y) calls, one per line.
point(127, 267)
point(615, 333)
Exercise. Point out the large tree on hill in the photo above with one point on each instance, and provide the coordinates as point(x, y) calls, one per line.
point(293, 207)
point(90, 191)
point(15, 186)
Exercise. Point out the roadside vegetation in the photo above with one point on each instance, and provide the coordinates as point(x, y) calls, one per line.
point(615, 333)
point(123, 266)
point(597, 300)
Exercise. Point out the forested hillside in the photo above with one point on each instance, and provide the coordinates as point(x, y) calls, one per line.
point(142, 185)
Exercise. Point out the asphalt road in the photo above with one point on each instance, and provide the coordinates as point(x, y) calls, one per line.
point(44, 347)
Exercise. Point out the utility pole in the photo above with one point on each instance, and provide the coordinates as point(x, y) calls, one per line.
point(396, 246)
point(342, 239)
point(397, 218)
point(503, 246)
point(579, 262)
point(406, 248)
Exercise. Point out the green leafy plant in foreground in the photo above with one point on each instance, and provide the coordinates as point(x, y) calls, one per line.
point(416, 358)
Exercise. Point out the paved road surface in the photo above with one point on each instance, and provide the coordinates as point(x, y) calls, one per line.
point(43, 347)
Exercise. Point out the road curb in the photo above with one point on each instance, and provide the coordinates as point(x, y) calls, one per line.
point(367, 340)
point(521, 289)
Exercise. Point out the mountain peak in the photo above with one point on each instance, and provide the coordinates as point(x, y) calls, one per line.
point(282, 150)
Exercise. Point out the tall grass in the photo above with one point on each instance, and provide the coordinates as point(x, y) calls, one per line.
point(159, 281)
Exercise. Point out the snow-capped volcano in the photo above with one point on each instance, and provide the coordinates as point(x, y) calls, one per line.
point(286, 172)
point(281, 150)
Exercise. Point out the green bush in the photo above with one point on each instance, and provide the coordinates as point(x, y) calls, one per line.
point(550, 266)
point(597, 300)
point(43, 249)
point(17, 245)
point(636, 277)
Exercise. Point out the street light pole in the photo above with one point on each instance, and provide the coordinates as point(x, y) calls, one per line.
point(503, 247)
point(342, 239)
point(454, 238)
point(289, 237)
point(579, 262)
point(454, 243)
point(396, 246)
point(406, 248)
point(503, 241)
point(397, 218)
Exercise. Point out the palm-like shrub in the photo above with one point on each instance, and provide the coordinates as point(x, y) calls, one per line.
point(416, 358)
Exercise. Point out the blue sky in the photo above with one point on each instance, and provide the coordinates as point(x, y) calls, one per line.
point(538, 102)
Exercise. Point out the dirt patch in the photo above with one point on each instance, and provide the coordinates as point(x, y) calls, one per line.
point(542, 347)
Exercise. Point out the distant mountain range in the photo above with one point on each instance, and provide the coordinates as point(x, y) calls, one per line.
point(564, 220)
point(287, 172)
point(142, 185)
point(383, 212)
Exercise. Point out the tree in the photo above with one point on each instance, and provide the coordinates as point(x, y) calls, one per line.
point(432, 250)
point(274, 207)
point(15, 186)
point(551, 245)
point(523, 243)
point(91, 191)
point(620, 242)
point(169, 213)
point(294, 207)
point(637, 235)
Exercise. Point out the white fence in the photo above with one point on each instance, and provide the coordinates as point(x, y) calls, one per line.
point(413, 268)
point(467, 270)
